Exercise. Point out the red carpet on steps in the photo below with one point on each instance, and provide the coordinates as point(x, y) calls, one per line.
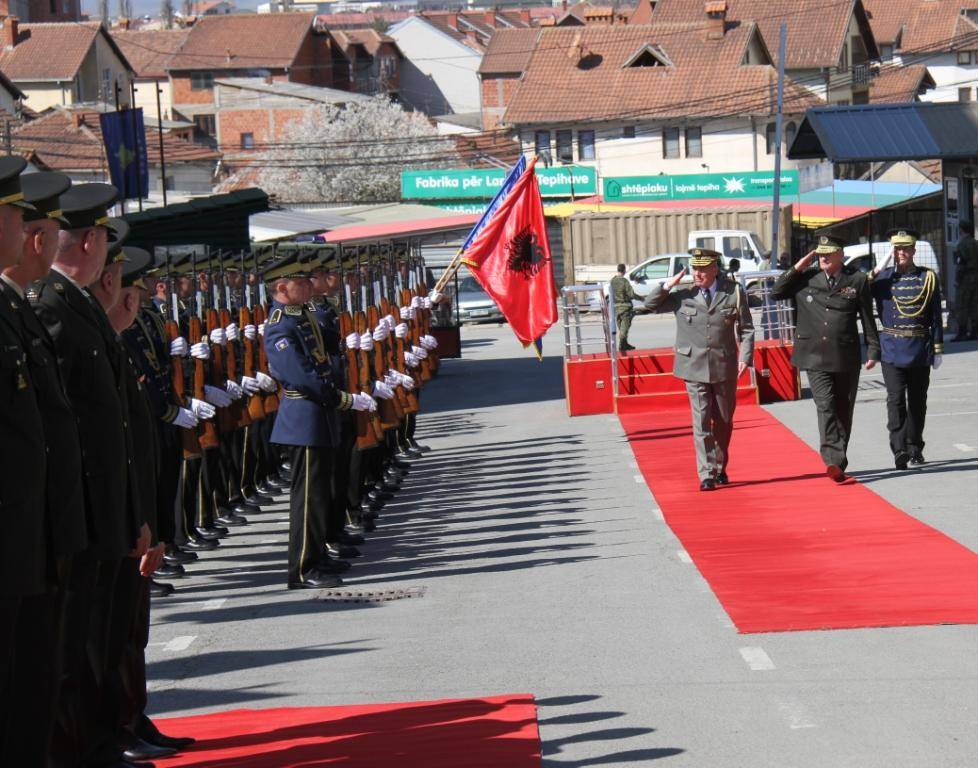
point(481, 733)
point(785, 548)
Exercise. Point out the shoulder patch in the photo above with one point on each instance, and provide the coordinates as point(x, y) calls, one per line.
point(275, 316)
point(282, 345)
point(294, 310)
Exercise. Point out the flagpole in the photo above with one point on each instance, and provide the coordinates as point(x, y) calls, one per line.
point(135, 136)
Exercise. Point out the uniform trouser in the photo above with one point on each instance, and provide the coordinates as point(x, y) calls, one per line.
point(834, 393)
point(341, 469)
point(623, 317)
point(133, 702)
point(202, 491)
point(355, 488)
point(37, 674)
point(309, 508)
point(9, 609)
point(252, 457)
point(230, 451)
point(906, 406)
point(966, 307)
point(271, 453)
point(168, 483)
point(712, 406)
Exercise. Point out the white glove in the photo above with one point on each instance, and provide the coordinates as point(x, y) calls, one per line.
point(232, 332)
point(200, 351)
point(419, 353)
point(261, 329)
point(411, 360)
point(381, 332)
point(250, 332)
point(401, 330)
point(234, 389)
point(426, 302)
point(366, 342)
point(178, 347)
point(382, 391)
point(218, 336)
point(406, 381)
point(938, 359)
point(429, 342)
point(417, 303)
point(435, 296)
point(363, 402)
point(250, 385)
point(266, 382)
point(185, 418)
point(201, 409)
point(216, 396)
point(406, 313)
point(353, 341)
point(389, 319)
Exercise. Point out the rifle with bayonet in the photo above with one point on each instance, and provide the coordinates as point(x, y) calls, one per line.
point(188, 437)
point(206, 431)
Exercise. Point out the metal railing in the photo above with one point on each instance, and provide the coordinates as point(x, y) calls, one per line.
point(588, 324)
point(773, 319)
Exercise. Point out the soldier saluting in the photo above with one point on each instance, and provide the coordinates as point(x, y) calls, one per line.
point(908, 302)
point(828, 299)
point(711, 316)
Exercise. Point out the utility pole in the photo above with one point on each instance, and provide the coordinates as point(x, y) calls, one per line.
point(159, 127)
point(776, 212)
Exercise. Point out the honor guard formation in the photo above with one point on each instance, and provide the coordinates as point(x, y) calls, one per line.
point(152, 402)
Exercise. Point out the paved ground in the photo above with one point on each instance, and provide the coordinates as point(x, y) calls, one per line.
point(548, 570)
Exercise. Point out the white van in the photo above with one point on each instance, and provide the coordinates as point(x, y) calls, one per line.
point(865, 257)
point(733, 244)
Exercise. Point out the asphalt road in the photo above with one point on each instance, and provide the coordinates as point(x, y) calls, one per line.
point(546, 569)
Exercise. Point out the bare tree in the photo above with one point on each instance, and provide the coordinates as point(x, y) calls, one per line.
point(125, 9)
point(103, 12)
point(351, 154)
point(188, 8)
point(166, 13)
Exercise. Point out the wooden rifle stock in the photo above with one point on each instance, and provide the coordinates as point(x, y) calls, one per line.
point(411, 397)
point(390, 359)
point(256, 409)
point(239, 412)
point(435, 360)
point(188, 437)
point(206, 432)
point(218, 372)
point(270, 399)
point(364, 431)
point(364, 382)
point(390, 411)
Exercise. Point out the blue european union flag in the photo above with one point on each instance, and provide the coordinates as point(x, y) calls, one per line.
point(124, 135)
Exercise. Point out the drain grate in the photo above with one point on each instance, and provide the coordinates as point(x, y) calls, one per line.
point(370, 595)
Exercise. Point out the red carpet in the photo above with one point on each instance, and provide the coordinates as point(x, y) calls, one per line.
point(785, 548)
point(481, 733)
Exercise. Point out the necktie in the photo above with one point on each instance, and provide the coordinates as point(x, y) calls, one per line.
point(832, 283)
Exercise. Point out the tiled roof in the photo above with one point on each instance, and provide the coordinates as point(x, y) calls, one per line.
point(887, 18)
point(243, 41)
point(578, 73)
point(475, 149)
point(150, 52)
point(330, 21)
point(509, 51)
point(938, 25)
point(48, 51)
point(896, 84)
point(817, 29)
point(370, 39)
point(71, 140)
point(466, 26)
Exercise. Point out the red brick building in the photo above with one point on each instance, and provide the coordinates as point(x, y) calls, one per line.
point(42, 10)
point(503, 64)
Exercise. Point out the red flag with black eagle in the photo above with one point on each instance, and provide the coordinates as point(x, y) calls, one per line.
point(510, 257)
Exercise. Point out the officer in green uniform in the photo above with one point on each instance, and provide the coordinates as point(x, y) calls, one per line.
point(908, 302)
point(828, 298)
point(622, 295)
point(966, 283)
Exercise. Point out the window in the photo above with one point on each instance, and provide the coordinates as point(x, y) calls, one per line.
point(886, 52)
point(388, 66)
point(204, 125)
point(585, 145)
point(964, 57)
point(790, 130)
point(201, 81)
point(565, 146)
point(736, 248)
point(247, 141)
point(964, 94)
point(670, 143)
point(706, 242)
point(654, 270)
point(679, 264)
point(770, 136)
point(628, 132)
point(694, 142)
point(542, 140)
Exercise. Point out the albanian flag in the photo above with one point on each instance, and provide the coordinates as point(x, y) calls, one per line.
point(509, 255)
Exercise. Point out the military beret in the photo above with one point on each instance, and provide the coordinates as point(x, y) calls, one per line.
point(87, 205)
point(903, 236)
point(704, 257)
point(827, 244)
point(10, 189)
point(43, 191)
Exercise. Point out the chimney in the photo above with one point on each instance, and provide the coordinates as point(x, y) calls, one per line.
point(525, 15)
point(716, 14)
point(490, 17)
point(563, 5)
point(451, 19)
point(10, 25)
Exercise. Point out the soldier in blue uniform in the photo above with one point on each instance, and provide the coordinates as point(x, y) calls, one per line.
point(908, 302)
point(307, 421)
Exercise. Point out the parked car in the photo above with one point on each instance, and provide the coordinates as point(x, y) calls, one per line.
point(474, 304)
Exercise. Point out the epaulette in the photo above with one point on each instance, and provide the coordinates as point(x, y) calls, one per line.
point(275, 316)
point(294, 310)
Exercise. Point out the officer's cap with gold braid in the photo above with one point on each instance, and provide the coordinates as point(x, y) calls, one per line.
point(87, 205)
point(703, 257)
point(10, 190)
point(118, 234)
point(43, 191)
point(903, 236)
point(138, 261)
point(828, 244)
point(288, 264)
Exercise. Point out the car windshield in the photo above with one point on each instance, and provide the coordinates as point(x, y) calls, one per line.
point(469, 285)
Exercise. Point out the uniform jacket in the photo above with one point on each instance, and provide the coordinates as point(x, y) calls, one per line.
point(151, 356)
point(23, 545)
point(826, 337)
point(64, 492)
point(298, 359)
point(329, 322)
point(706, 336)
point(622, 292)
point(966, 259)
point(91, 367)
point(145, 436)
point(910, 336)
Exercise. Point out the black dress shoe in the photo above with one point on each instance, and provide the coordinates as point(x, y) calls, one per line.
point(160, 588)
point(276, 484)
point(199, 545)
point(415, 445)
point(257, 500)
point(176, 556)
point(341, 550)
point(409, 453)
point(231, 519)
point(316, 580)
point(267, 490)
point(626, 347)
point(722, 479)
point(836, 472)
point(917, 459)
point(375, 501)
point(385, 490)
point(901, 459)
point(146, 730)
point(143, 750)
point(209, 534)
point(169, 571)
point(353, 539)
point(403, 466)
point(708, 485)
point(331, 565)
point(244, 508)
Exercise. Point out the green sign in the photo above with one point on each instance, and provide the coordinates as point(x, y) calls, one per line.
point(696, 186)
point(483, 183)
